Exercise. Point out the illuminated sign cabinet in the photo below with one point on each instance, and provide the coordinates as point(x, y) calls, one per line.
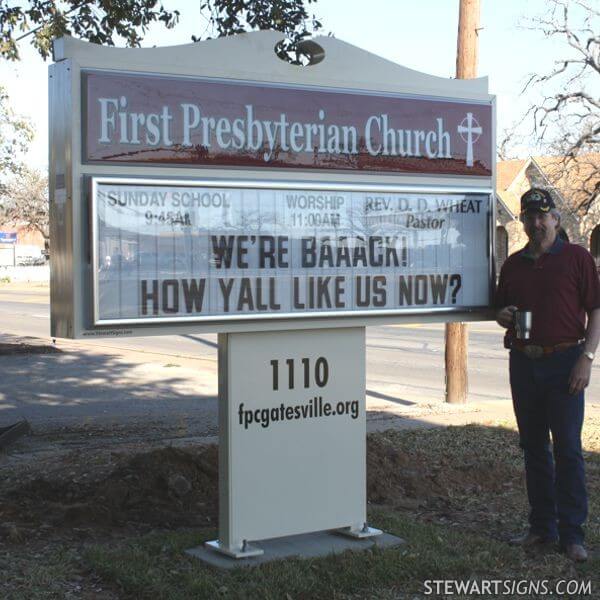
point(216, 188)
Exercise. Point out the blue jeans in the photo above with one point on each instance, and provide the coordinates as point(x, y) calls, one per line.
point(555, 480)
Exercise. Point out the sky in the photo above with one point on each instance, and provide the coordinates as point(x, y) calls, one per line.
point(419, 35)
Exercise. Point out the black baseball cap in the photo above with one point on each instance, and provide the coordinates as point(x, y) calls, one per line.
point(537, 199)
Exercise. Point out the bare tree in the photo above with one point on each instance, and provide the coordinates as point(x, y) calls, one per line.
point(576, 176)
point(575, 74)
point(566, 122)
point(25, 202)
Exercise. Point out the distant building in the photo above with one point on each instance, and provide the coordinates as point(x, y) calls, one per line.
point(29, 245)
point(581, 183)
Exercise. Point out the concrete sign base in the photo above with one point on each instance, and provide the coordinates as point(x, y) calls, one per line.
point(308, 545)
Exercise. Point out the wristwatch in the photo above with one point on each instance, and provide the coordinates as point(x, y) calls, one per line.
point(589, 354)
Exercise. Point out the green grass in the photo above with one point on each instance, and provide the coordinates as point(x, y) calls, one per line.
point(29, 577)
point(467, 492)
point(477, 470)
point(156, 567)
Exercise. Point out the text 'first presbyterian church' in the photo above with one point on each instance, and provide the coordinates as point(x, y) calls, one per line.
point(379, 136)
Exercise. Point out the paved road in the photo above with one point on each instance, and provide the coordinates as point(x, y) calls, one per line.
point(405, 365)
point(410, 356)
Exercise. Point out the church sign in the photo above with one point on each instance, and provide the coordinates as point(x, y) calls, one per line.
point(214, 188)
point(191, 188)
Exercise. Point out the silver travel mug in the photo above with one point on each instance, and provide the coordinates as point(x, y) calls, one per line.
point(522, 321)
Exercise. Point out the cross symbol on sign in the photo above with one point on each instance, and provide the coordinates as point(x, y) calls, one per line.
point(470, 126)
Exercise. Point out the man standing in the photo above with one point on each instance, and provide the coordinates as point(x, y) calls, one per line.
point(559, 284)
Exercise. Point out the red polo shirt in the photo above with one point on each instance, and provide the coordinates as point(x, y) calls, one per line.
point(559, 288)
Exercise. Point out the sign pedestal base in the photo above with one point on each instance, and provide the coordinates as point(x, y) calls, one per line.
point(251, 550)
point(308, 545)
point(292, 437)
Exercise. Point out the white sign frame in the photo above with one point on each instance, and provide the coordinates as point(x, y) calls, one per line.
point(241, 58)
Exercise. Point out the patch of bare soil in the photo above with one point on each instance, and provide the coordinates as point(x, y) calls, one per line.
point(412, 478)
point(442, 477)
point(50, 511)
point(173, 487)
point(164, 488)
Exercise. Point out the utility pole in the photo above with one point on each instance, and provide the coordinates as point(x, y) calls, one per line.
point(467, 43)
point(457, 334)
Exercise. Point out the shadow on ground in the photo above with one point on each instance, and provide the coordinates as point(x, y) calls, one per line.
point(54, 389)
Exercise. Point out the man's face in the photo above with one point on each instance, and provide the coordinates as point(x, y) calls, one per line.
point(539, 226)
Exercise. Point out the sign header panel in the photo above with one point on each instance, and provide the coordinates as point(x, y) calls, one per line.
point(174, 251)
point(133, 118)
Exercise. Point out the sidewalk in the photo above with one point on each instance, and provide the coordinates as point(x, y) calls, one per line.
point(22, 275)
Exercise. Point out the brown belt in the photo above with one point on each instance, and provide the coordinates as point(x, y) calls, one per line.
point(534, 351)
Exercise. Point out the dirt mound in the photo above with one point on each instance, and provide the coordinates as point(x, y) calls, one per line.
point(161, 488)
point(407, 477)
point(164, 486)
point(427, 471)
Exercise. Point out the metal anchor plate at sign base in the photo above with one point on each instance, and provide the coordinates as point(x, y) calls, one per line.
point(365, 532)
point(246, 551)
